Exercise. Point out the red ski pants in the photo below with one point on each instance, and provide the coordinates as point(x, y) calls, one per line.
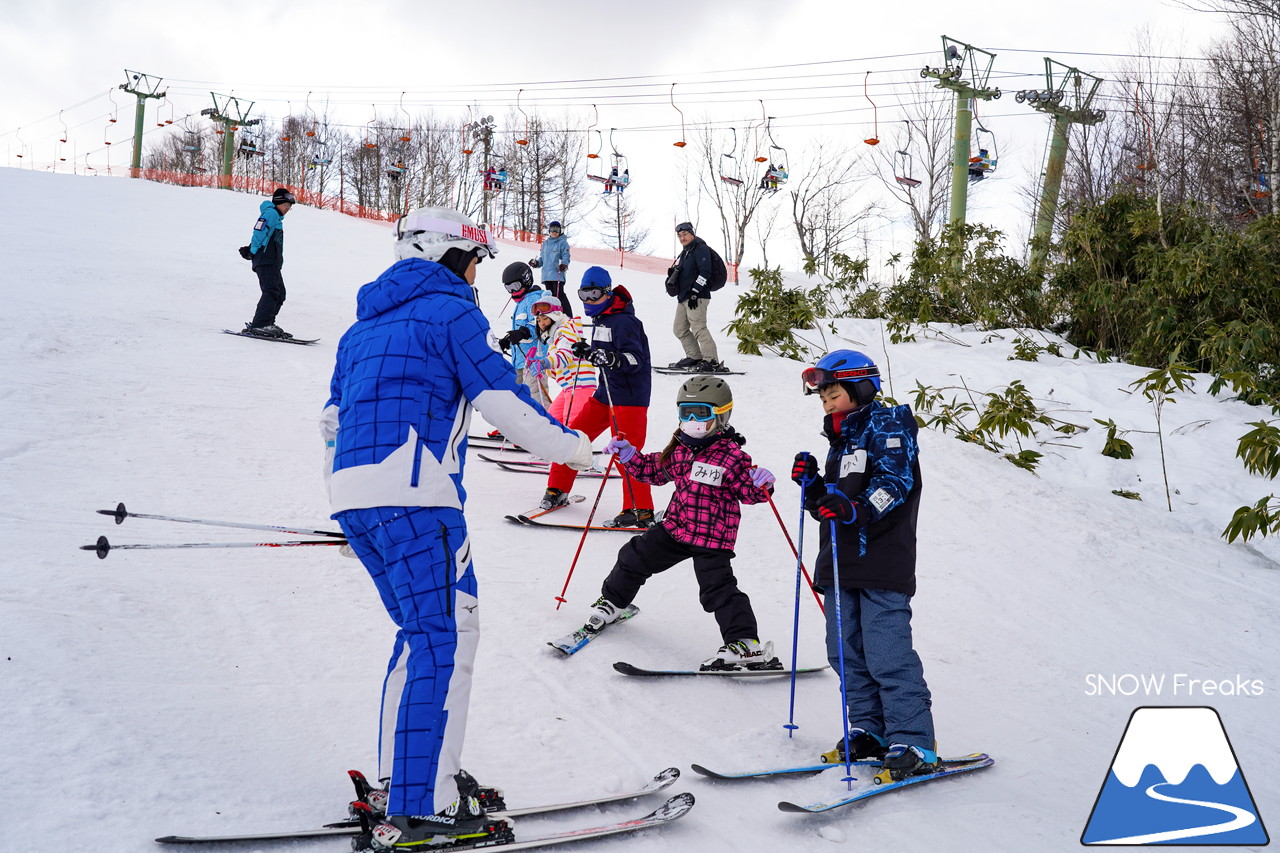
point(593, 419)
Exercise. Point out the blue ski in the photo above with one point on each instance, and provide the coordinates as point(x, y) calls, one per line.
point(874, 790)
point(816, 768)
point(571, 643)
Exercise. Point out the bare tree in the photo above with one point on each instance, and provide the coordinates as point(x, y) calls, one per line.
point(618, 223)
point(916, 164)
point(736, 201)
point(822, 201)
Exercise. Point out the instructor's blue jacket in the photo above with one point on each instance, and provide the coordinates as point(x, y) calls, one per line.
point(396, 421)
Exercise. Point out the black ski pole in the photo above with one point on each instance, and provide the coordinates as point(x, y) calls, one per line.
point(120, 514)
point(103, 547)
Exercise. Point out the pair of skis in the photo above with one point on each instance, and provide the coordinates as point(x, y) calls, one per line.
point(299, 341)
point(536, 517)
point(680, 371)
point(947, 767)
point(673, 809)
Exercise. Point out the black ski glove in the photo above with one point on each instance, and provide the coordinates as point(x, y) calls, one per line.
point(836, 506)
point(246, 253)
point(581, 349)
point(535, 262)
point(805, 469)
point(514, 336)
point(605, 358)
point(693, 302)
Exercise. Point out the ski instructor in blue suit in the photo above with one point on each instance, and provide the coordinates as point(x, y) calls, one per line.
point(408, 371)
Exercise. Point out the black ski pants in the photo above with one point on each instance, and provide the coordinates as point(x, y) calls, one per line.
point(272, 284)
point(656, 551)
point(559, 291)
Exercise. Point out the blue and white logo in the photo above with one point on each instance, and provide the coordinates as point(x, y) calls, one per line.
point(1175, 781)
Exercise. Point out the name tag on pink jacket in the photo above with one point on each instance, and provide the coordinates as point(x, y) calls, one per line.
point(708, 475)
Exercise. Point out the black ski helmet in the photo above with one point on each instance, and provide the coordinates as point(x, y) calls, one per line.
point(517, 272)
point(711, 391)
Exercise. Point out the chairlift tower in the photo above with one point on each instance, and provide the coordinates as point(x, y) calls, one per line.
point(965, 70)
point(142, 86)
point(1068, 98)
point(228, 111)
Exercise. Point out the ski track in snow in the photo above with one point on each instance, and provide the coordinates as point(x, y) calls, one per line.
point(160, 692)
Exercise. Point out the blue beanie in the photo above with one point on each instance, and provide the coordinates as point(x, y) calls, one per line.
point(596, 277)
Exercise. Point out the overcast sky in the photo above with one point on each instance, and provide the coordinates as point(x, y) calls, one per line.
point(60, 53)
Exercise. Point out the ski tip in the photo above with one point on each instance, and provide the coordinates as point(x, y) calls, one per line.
point(627, 669)
point(668, 776)
point(785, 806)
point(174, 839)
point(674, 808)
point(702, 771)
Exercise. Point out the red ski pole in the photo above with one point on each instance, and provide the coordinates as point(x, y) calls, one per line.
point(787, 534)
point(560, 599)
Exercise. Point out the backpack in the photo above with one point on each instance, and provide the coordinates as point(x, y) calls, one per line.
point(719, 273)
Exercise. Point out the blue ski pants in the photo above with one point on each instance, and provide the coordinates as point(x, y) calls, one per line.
point(420, 561)
point(885, 691)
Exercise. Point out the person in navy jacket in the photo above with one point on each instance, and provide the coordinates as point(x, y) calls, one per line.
point(617, 344)
point(419, 356)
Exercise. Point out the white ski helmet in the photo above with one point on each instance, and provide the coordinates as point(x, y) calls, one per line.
point(429, 232)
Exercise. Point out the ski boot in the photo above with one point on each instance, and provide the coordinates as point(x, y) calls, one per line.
point(865, 746)
point(902, 761)
point(603, 612)
point(553, 498)
point(742, 655)
point(464, 820)
point(639, 518)
point(491, 799)
point(685, 363)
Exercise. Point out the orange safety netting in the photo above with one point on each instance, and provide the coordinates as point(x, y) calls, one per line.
point(323, 201)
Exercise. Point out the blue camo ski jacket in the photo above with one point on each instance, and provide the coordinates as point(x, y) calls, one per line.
point(397, 416)
point(267, 244)
point(555, 251)
point(874, 457)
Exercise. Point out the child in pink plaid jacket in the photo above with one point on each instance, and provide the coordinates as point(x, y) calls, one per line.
point(713, 475)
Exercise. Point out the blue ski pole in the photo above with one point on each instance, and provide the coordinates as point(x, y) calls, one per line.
point(795, 622)
point(835, 583)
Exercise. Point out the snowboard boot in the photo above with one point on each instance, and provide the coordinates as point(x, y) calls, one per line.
point(603, 612)
point(902, 761)
point(642, 518)
point(463, 820)
point(742, 654)
point(553, 498)
point(865, 746)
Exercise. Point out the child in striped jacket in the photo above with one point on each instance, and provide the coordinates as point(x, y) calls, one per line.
point(553, 356)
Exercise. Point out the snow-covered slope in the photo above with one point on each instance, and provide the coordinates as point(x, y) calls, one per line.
point(221, 691)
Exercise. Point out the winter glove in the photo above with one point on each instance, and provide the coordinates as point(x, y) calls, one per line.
point(606, 359)
point(762, 478)
point(514, 336)
point(581, 350)
point(535, 262)
point(835, 506)
point(246, 253)
point(582, 458)
point(692, 303)
point(805, 469)
point(563, 267)
point(622, 448)
point(537, 365)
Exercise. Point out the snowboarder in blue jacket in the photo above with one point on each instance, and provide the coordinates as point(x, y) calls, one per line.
point(554, 263)
point(419, 356)
point(869, 492)
point(266, 251)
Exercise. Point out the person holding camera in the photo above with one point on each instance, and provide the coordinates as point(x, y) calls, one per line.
point(696, 273)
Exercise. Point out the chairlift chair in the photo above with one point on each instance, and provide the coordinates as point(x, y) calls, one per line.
point(730, 175)
point(902, 170)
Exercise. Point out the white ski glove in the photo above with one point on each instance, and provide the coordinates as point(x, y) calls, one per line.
point(582, 458)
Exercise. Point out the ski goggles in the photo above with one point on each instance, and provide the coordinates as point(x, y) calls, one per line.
point(815, 377)
point(701, 411)
point(543, 308)
point(514, 287)
point(591, 294)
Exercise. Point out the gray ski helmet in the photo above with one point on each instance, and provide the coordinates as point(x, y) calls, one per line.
point(711, 391)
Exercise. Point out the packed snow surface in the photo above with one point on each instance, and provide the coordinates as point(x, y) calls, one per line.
point(222, 691)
